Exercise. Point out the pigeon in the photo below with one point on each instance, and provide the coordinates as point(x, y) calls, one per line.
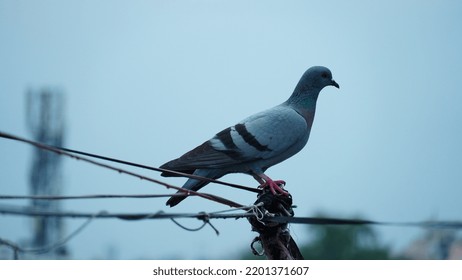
point(257, 142)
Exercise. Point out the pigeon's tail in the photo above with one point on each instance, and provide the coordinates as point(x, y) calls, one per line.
point(171, 174)
point(191, 184)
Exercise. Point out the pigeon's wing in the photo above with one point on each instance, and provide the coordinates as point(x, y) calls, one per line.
point(201, 157)
point(265, 135)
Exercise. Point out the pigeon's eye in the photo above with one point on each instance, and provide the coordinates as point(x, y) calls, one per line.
point(324, 75)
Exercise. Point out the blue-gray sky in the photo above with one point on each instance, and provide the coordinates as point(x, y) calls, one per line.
point(148, 80)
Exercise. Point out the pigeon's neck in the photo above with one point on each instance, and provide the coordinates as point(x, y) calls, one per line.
point(304, 100)
point(304, 104)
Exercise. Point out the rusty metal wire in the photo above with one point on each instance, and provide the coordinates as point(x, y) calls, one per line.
point(121, 171)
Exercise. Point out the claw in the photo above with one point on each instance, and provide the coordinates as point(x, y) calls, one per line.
point(274, 186)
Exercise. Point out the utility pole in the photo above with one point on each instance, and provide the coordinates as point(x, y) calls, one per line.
point(45, 120)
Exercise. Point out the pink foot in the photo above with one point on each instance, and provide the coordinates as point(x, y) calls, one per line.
point(274, 186)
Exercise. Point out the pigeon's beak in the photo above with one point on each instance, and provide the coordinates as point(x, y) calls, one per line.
point(334, 83)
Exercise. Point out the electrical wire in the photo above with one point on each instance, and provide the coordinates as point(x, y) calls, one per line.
point(224, 214)
point(32, 212)
point(48, 248)
point(92, 196)
point(181, 174)
point(122, 171)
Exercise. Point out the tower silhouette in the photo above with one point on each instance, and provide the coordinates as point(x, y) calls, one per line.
point(45, 120)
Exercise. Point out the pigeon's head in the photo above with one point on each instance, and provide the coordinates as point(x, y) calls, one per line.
point(318, 77)
point(310, 85)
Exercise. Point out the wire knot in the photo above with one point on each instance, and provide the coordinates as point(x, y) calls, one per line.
point(268, 206)
point(274, 237)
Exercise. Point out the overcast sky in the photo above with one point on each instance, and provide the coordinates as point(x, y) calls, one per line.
point(146, 81)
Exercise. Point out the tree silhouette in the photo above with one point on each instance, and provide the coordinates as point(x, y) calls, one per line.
point(343, 242)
